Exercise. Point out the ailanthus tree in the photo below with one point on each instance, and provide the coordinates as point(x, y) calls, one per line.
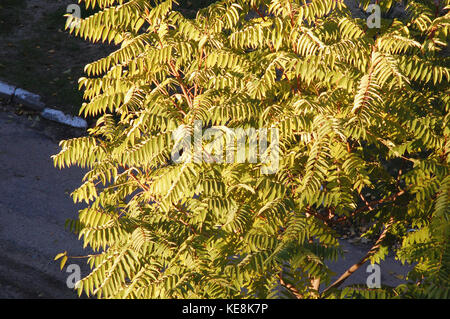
point(359, 110)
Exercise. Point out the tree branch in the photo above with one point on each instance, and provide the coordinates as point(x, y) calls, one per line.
point(291, 288)
point(356, 266)
point(371, 206)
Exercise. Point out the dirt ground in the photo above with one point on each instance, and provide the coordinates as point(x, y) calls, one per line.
point(38, 55)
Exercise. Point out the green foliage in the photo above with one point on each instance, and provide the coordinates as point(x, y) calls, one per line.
point(359, 111)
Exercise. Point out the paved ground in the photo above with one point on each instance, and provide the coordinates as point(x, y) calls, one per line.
point(391, 270)
point(35, 203)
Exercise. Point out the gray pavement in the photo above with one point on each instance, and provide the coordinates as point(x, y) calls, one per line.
point(35, 203)
point(392, 271)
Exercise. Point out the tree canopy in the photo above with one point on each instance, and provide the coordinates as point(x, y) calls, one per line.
point(362, 116)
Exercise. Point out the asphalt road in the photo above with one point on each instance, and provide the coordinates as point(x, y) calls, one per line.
point(35, 203)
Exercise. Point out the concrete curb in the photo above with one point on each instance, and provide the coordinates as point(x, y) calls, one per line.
point(34, 102)
point(6, 90)
point(60, 117)
point(31, 100)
